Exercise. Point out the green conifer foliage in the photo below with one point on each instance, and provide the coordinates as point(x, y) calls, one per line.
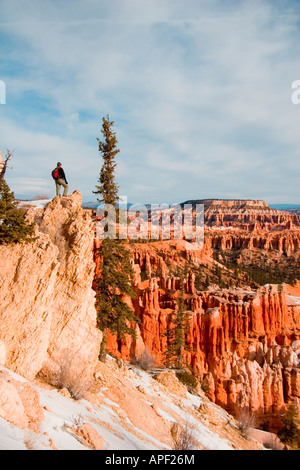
point(290, 432)
point(108, 189)
point(116, 272)
point(13, 226)
point(177, 330)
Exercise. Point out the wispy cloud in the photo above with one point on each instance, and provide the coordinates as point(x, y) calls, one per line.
point(199, 92)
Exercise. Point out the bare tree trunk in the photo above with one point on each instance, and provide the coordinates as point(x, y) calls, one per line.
point(4, 165)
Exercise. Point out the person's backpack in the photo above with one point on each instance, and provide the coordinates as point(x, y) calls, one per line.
point(55, 174)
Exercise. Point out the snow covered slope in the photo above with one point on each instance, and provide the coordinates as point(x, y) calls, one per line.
point(124, 409)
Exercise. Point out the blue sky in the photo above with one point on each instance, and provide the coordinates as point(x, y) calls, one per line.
point(199, 90)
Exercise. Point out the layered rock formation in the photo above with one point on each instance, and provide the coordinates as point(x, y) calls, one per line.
point(284, 242)
point(242, 343)
point(47, 314)
point(245, 214)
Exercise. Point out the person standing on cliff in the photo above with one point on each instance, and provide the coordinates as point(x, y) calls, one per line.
point(59, 176)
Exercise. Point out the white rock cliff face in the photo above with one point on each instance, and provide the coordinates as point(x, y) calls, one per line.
point(47, 313)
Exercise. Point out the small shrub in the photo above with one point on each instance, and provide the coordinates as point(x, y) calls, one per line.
point(145, 361)
point(72, 376)
point(187, 379)
point(182, 437)
point(246, 420)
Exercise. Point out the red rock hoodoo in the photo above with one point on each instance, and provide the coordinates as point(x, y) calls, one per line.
point(242, 339)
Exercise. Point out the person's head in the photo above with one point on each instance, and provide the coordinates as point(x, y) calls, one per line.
point(58, 164)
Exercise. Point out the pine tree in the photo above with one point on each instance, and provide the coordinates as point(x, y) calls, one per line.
point(207, 282)
point(116, 272)
point(108, 189)
point(177, 330)
point(13, 226)
point(290, 432)
point(198, 279)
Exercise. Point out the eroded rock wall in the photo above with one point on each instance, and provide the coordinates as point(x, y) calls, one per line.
point(47, 313)
point(241, 342)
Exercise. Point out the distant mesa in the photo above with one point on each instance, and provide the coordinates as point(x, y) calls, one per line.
point(241, 203)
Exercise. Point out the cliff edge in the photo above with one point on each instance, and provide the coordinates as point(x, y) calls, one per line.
point(47, 303)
